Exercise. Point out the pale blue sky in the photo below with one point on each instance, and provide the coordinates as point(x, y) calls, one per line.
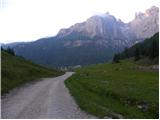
point(27, 20)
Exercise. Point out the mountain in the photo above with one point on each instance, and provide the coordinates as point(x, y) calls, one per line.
point(11, 45)
point(146, 24)
point(109, 28)
point(16, 71)
point(106, 29)
point(92, 41)
point(101, 26)
point(55, 52)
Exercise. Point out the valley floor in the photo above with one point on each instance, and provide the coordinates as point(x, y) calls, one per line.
point(119, 90)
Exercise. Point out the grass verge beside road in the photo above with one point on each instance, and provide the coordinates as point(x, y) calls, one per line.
point(16, 71)
point(116, 90)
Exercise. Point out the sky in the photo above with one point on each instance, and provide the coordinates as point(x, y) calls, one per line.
point(29, 20)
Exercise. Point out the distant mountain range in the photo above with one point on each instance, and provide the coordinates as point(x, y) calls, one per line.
point(90, 42)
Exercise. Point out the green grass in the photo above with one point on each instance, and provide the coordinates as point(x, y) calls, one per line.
point(147, 62)
point(116, 89)
point(16, 71)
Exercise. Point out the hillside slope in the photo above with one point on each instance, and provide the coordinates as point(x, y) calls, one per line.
point(16, 71)
point(148, 50)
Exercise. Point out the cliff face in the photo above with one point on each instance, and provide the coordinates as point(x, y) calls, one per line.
point(146, 24)
point(109, 31)
point(106, 26)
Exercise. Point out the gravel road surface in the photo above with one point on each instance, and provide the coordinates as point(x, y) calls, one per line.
point(47, 98)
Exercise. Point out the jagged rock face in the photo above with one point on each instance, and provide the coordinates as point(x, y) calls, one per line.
point(146, 24)
point(106, 27)
point(114, 31)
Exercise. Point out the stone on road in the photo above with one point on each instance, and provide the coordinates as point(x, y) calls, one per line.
point(48, 99)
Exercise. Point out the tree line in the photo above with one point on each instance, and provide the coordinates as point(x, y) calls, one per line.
point(148, 48)
point(8, 50)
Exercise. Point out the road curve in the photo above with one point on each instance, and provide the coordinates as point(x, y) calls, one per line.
point(45, 99)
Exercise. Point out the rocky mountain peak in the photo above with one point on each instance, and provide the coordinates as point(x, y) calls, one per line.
point(107, 28)
point(98, 25)
point(146, 24)
point(152, 11)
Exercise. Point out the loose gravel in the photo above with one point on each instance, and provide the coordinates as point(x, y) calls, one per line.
point(44, 99)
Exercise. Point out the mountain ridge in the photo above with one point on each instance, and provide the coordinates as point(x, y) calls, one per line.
point(94, 41)
point(95, 22)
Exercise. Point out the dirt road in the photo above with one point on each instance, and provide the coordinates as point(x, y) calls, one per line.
point(48, 98)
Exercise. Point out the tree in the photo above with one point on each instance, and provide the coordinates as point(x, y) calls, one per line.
point(126, 52)
point(10, 51)
point(116, 58)
point(2, 48)
point(153, 50)
point(137, 54)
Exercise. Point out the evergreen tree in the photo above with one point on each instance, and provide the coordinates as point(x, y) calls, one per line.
point(137, 54)
point(126, 52)
point(2, 48)
point(10, 51)
point(116, 58)
point(153, 50)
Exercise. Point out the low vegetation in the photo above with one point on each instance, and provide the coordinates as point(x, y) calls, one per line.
point(16, 71)
point(116, 90)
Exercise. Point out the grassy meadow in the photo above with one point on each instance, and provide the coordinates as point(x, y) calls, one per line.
point(117, 90)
